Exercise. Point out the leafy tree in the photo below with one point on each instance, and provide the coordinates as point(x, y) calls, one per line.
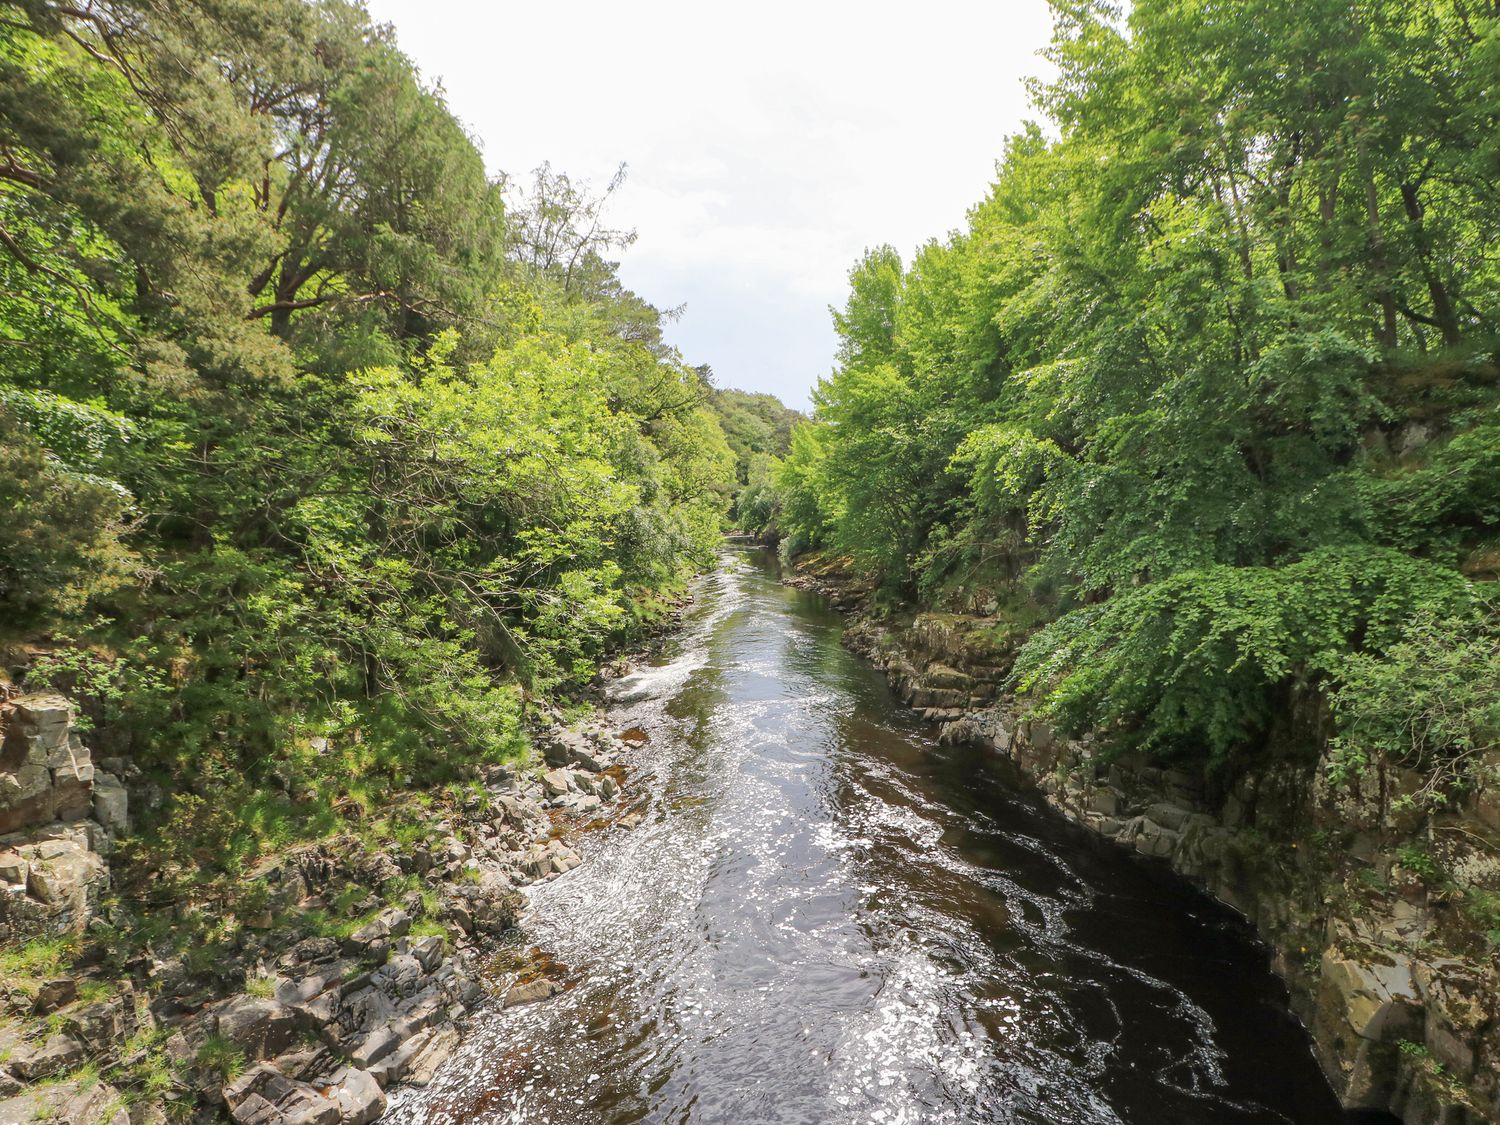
point(1209, 376)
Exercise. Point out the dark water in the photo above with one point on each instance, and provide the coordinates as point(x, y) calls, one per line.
point(825, 918)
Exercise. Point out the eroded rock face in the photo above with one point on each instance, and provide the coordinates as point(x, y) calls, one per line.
point(52, 867)
point(96, 1103)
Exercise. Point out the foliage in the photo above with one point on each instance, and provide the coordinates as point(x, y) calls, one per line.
point(318, 463)
point(1431, 701)
point(1194, 661)
point(1209, 374)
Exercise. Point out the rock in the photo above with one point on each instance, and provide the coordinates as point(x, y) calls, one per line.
point(1168, 816)
point(58, 1054)
point(587, 758)
point(101, 1025)
point(359, 1098)
point(608, 787)
point(428, 951)
point(1371, 1000)
point(1104, 800)
point(390, 923)
point(262, 1028)
point(944, 677)
point(54, 994)
point(432, 1054)
point(13, 868)
point(557, 782)
point(1153, 839)
point(263, 1095)
point(531, 992)
point(67, 1103)
point(111, 804)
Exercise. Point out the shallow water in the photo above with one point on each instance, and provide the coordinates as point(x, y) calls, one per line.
point(826, 918)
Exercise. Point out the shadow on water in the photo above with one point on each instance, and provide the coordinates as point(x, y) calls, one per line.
point(826, 918)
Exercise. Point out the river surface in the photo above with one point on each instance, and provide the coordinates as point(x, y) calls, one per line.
point(825, 918)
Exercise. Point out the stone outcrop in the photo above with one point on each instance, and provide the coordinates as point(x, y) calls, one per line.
point(59, 816)
point(325, 1024)
point(1399, 991)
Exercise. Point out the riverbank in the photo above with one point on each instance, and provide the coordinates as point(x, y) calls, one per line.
point(345, 967)
point(1376, 912)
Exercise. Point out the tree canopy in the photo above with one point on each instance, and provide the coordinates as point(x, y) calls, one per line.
point(305, 436)
point(1209, 377)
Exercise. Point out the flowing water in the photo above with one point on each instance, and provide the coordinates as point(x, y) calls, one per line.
point(826, 918)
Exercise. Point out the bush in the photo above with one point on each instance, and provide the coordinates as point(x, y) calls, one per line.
point(60, 532)
point(1430, 701)
point(1190, 663)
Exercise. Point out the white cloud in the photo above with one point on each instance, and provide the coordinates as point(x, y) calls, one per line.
point(768, 144)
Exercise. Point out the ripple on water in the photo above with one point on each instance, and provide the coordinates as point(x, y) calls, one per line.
point(824, 919)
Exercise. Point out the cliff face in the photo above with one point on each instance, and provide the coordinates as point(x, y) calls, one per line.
point(1376, 913)
point(59, 816)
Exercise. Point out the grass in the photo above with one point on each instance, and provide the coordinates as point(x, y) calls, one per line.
point(427, 928)
point(219, 1056)
point(24, 969)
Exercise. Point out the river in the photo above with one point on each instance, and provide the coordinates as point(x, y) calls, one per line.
point(825, 918)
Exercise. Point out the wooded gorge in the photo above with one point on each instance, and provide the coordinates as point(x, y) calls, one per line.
point(339, 474)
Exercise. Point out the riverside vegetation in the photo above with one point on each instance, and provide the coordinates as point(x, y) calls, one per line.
point(327, 476)
point(1189, 442)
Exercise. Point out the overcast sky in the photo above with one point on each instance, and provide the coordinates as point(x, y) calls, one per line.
point(768, 144)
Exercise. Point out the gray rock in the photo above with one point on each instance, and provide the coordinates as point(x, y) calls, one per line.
point(531, 991)
point(261, 1027)
point(433, 1052)
point(111, 804)
point(557, 782)
point(1104, 800)
point(428, 951)
point(263, 1095)
point(586, 757)
point(58, 1054)
point(388, 924)
point(67, 1103)
point(359, 1098)
point(13, 868)
point(54, 994)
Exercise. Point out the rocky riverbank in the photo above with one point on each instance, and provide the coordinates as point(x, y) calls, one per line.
point(355, 966)
point(1384, 920)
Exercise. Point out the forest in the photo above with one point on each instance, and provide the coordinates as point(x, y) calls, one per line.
point(1207, 389)
point(320, 463)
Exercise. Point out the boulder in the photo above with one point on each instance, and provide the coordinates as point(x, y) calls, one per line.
point(557, 782)
point(586, 757)
point(389, 924)
point(262, 1028)
point(58, 1054)
point(66, 1103)
point(53, 994)
point(263, 1095)
point(531, 991)
point(359, 1097)
point(433, 1052)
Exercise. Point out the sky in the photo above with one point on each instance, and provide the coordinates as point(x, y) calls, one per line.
point(768, 144)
